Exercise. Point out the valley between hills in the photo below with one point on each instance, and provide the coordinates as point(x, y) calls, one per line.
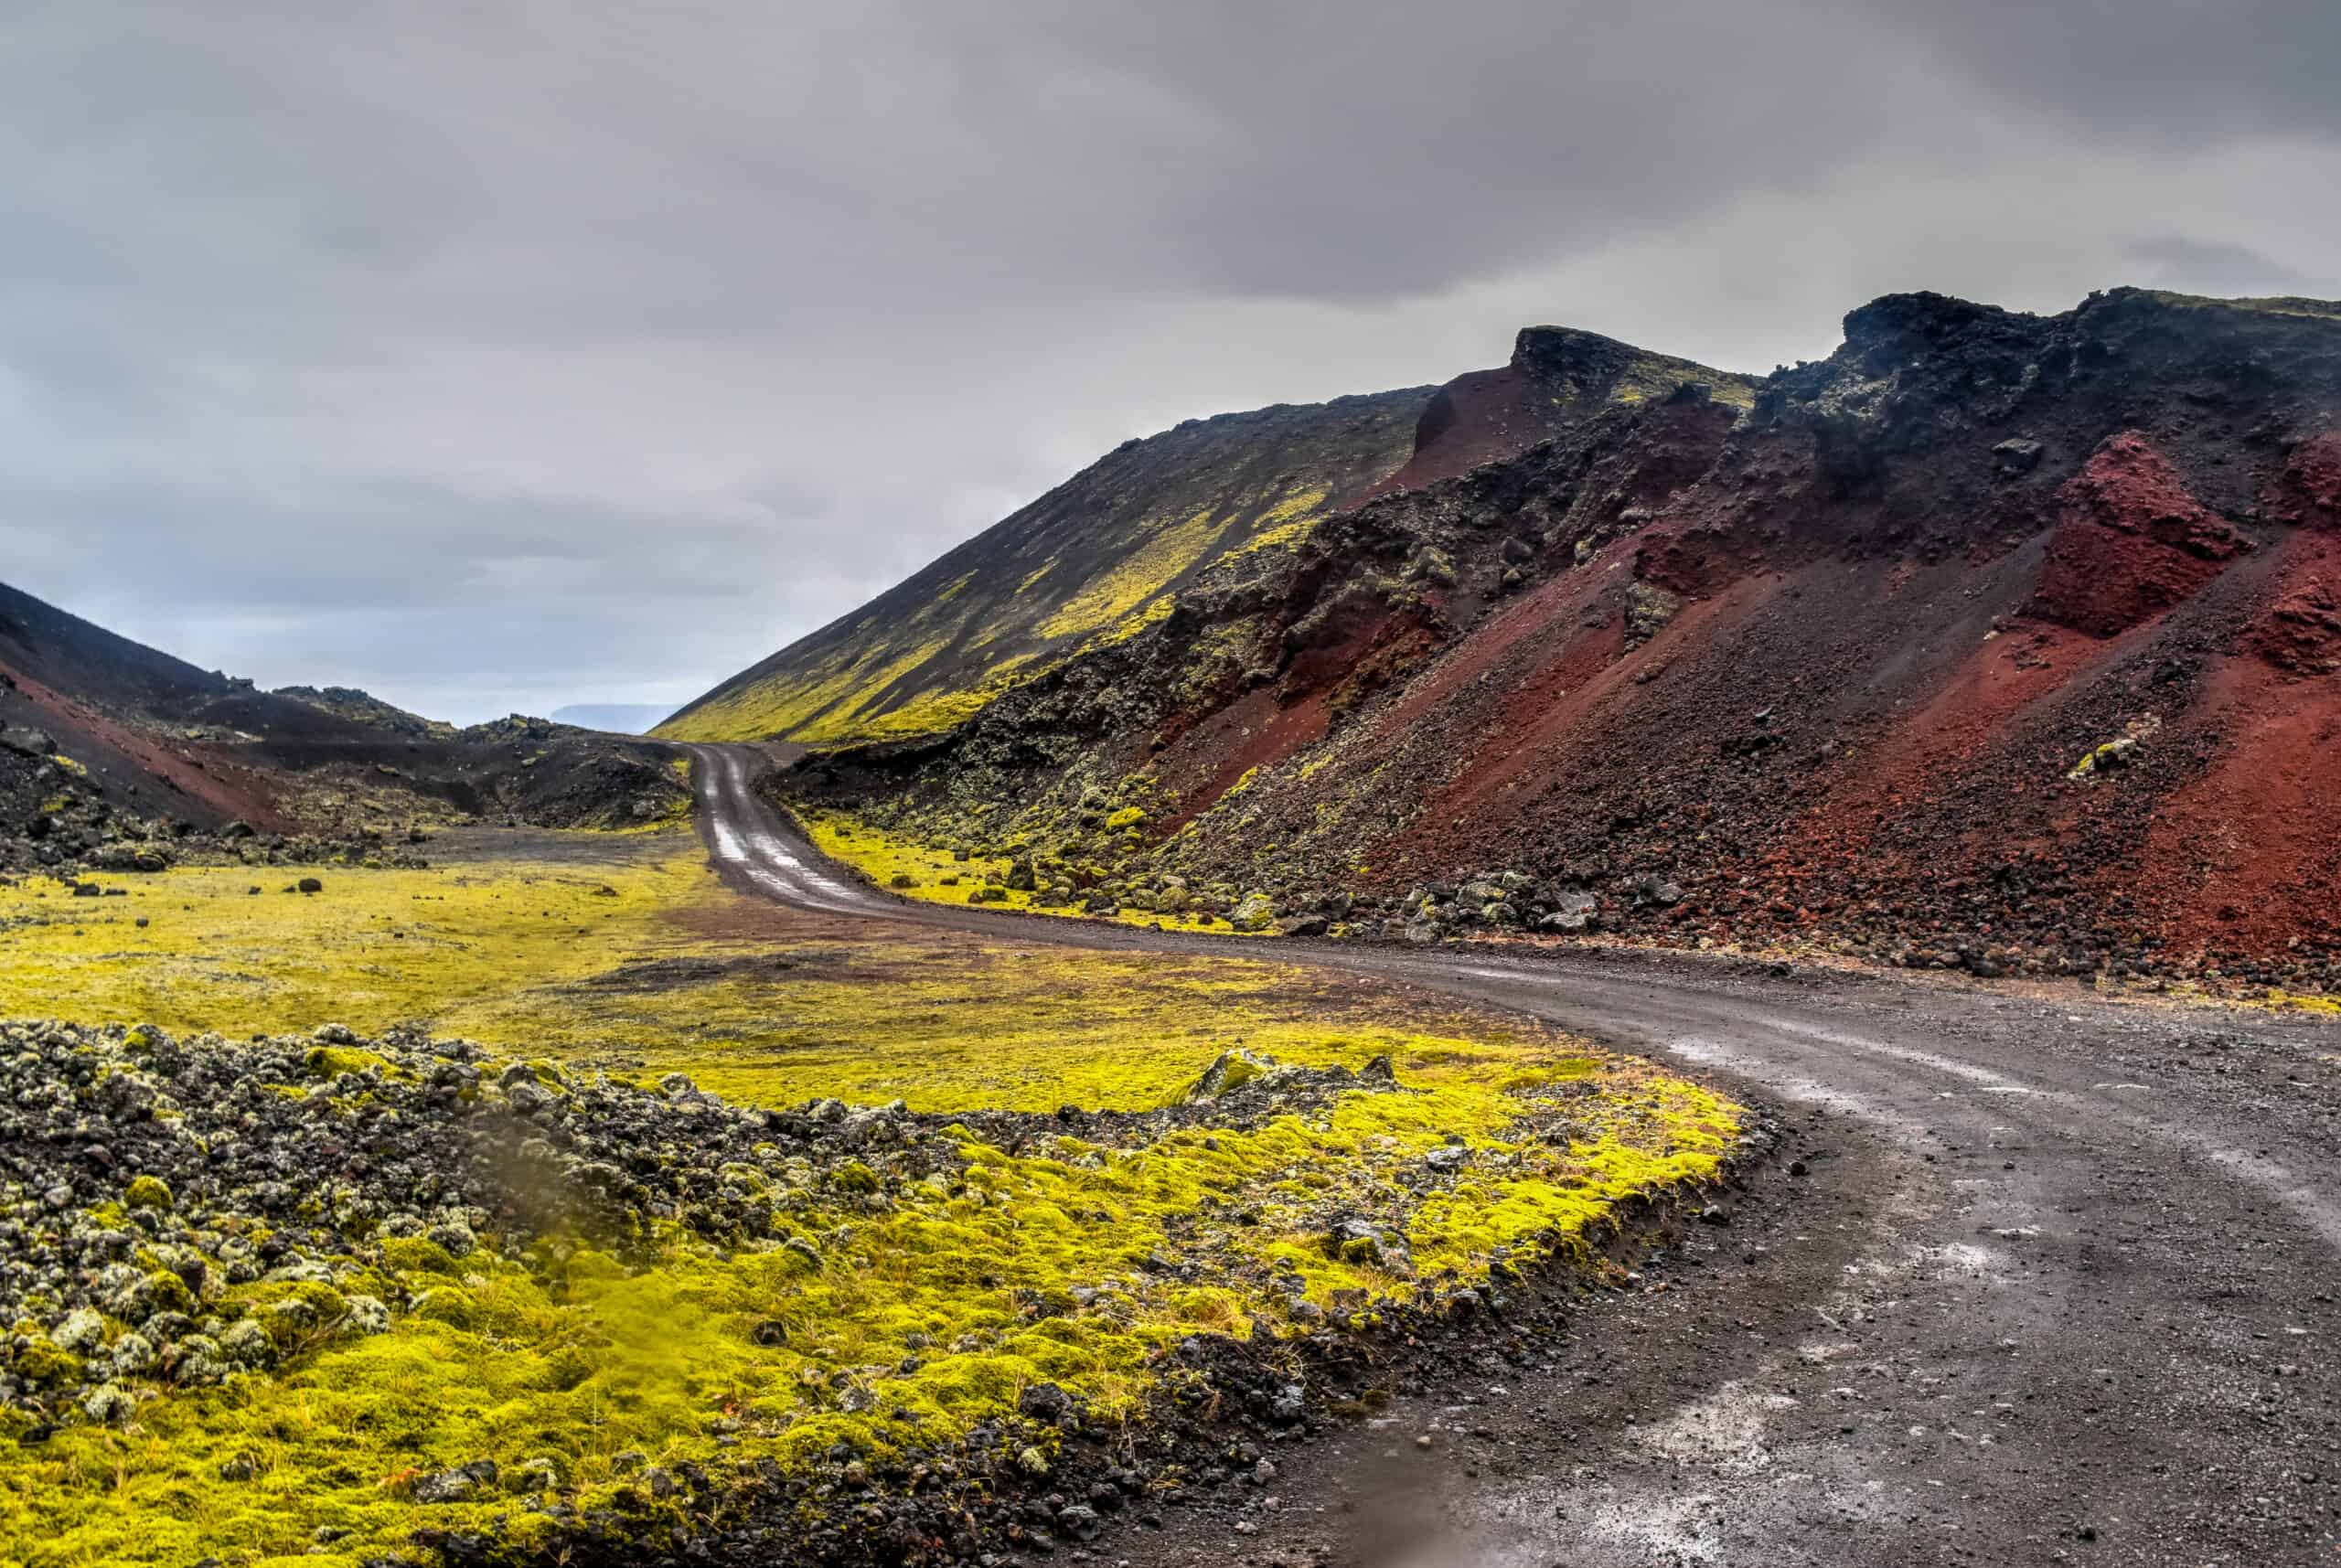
point(1610, 963)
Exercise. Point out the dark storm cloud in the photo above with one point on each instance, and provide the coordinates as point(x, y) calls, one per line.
point(529, 354)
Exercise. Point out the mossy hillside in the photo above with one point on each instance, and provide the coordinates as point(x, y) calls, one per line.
point(951, 659)
point(1094, 846)
point(1093, 561)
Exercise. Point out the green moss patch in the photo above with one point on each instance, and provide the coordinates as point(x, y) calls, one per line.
point(885, 1307)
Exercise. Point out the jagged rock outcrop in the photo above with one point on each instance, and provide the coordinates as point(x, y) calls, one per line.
point(1825, 664)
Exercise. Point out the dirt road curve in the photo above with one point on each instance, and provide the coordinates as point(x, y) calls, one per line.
point(2052, 1281)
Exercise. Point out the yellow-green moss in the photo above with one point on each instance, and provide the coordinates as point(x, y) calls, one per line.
point(945, 706)
point(927, 1306)
point(371, 951)
point(924, 1308)
point(147, 1192)
point(936, 876)
point(1167, 549)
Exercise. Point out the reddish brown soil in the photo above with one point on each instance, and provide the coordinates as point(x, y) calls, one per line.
point(1936, 748)
point(2308, 492)
point(1540, 616)
point(1548, 705)
point(181, 781)
point(2247, 857)
point(1256, 730)
point(1477, 418)
point(1557, 379)
point(2131, 541)
point(2302, 631)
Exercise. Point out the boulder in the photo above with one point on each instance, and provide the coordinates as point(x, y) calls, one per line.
point(454, 1485)
point(1656, 890)
point(1045, 1402)
point(2017, 455)
point(1648, 608)
point(1573, 912)
point(1230, 1070)
point(1363, 1242)
point(129, 858)
point(26, 742)
point(1256, 911)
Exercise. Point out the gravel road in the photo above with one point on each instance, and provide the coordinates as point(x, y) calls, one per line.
point(2050, 1279)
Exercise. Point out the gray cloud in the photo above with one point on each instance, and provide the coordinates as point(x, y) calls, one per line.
point(2216, 267)
point(495, 356)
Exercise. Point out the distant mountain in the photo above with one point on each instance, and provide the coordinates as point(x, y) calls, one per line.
point(1996, 641)
point(101, 736)
point(614, 718)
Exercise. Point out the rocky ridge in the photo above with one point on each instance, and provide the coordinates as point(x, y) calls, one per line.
point(1977, 643)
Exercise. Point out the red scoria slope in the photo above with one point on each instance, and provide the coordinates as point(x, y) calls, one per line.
point(1993, 640)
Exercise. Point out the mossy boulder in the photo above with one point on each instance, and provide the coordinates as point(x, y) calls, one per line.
point(1257, 912)
point(160, 1291)
point(37, 1360)
point(854, 1177)
point(1648, 610)
point(1230, 1071)
point(147, 1192)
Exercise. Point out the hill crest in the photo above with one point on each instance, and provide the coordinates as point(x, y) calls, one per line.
point(1972, 643)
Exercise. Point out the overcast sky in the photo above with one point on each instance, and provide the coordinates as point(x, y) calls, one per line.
point(500, 355)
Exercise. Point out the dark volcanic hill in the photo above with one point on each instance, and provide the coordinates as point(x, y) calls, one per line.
point(1108, 554)
point(1995, 640)
point(106, 742)
point(1092, 562)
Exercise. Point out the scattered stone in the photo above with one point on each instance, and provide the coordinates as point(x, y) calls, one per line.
point(454, 1485)
point(1256, 911)
point(2017, 455)
point(1046, 1403)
